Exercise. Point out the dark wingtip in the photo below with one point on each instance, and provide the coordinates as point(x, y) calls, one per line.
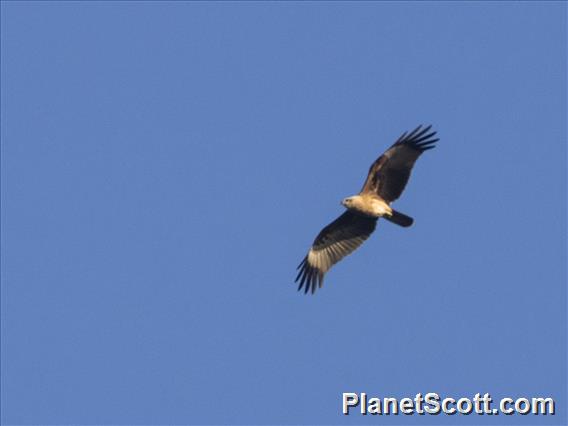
point(420, 138)
point(310, 277)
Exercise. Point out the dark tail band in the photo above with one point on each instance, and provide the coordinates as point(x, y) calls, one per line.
point(400, 219)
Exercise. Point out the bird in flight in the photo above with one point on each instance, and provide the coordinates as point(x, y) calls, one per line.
point(385, 182)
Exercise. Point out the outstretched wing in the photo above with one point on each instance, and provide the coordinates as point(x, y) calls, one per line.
point(338, 239)
point(389, 174)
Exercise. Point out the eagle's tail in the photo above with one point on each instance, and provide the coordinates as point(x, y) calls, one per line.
point(400, 219)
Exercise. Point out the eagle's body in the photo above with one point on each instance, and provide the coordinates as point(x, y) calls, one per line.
point(368, 204)
point(385, 182)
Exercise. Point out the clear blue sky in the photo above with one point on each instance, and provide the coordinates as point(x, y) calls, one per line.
point(165, 167)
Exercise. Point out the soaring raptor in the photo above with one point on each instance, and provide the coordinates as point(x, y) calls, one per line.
point(385, 182)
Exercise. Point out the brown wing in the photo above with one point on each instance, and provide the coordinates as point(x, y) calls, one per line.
point(389, 174)
point(338, 239)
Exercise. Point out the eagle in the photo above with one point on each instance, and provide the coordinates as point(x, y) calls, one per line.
point(385, 182)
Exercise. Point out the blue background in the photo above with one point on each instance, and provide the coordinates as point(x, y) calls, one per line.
point(165, 167)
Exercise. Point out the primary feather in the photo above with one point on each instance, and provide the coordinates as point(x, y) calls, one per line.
point(389, 174)
point(338, 239)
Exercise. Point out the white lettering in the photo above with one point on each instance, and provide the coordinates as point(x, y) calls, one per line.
point(445, 403)
point(406, 406)
point(468, 406)
point(374, 406)
point(525, 409)
point(349, 400)
point(503, 406)
point(543, 406)
point(390, 403)
point(432, 399)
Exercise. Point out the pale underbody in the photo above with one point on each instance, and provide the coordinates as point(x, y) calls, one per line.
point(368, 204)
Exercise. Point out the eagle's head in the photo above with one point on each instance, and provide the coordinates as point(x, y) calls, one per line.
point(354, 202)
point(347, 202)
